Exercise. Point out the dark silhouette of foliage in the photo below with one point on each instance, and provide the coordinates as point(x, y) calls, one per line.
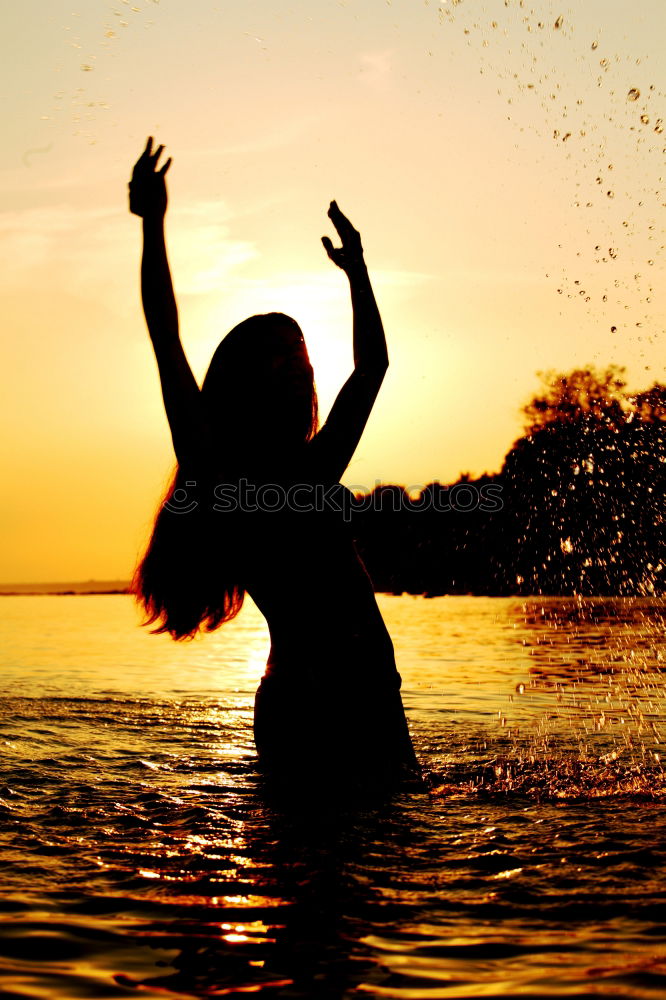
point(582, 504)
point(650, 406)
point(583, 394)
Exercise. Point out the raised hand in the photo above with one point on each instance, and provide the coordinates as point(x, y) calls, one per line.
point(147, 188)
point(349, 256)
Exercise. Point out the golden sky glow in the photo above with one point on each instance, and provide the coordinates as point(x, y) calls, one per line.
point(505, 175)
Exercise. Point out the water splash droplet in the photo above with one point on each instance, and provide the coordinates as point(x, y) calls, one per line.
point(558, 22)
point(633, 94)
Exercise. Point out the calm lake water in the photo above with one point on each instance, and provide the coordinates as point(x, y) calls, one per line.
point(139, 857)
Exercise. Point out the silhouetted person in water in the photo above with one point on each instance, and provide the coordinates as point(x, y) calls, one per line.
point(254, 507)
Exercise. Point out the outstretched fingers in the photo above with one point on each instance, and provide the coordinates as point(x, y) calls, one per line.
point(349, 236)
point(147, 153)
point(342, 224)
point(328, 247)
point(350, 253)
point(147, 187)
point(149, 159)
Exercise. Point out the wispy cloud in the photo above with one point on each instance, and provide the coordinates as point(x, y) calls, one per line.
point(33, 239)
point(79, 248)
point(95, 252)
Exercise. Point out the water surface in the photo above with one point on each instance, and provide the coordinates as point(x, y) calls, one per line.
point(138, 854)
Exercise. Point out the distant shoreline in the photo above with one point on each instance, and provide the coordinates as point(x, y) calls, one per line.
point(66, 589)
point(115, 587)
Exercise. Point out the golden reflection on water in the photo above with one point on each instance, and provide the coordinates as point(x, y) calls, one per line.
point(512, 870)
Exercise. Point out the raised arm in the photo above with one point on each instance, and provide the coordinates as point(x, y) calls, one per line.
point(181, 394)
point(336, 442)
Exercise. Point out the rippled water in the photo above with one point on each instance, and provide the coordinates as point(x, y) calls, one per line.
point(138, 855)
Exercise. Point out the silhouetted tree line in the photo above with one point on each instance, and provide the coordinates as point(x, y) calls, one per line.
point(577, 508)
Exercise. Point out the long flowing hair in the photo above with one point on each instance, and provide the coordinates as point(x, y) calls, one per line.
point(260, 405)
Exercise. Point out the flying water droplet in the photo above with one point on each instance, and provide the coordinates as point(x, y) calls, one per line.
point(633, 94)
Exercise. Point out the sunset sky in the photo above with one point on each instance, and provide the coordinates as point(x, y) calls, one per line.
point(504, 164)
